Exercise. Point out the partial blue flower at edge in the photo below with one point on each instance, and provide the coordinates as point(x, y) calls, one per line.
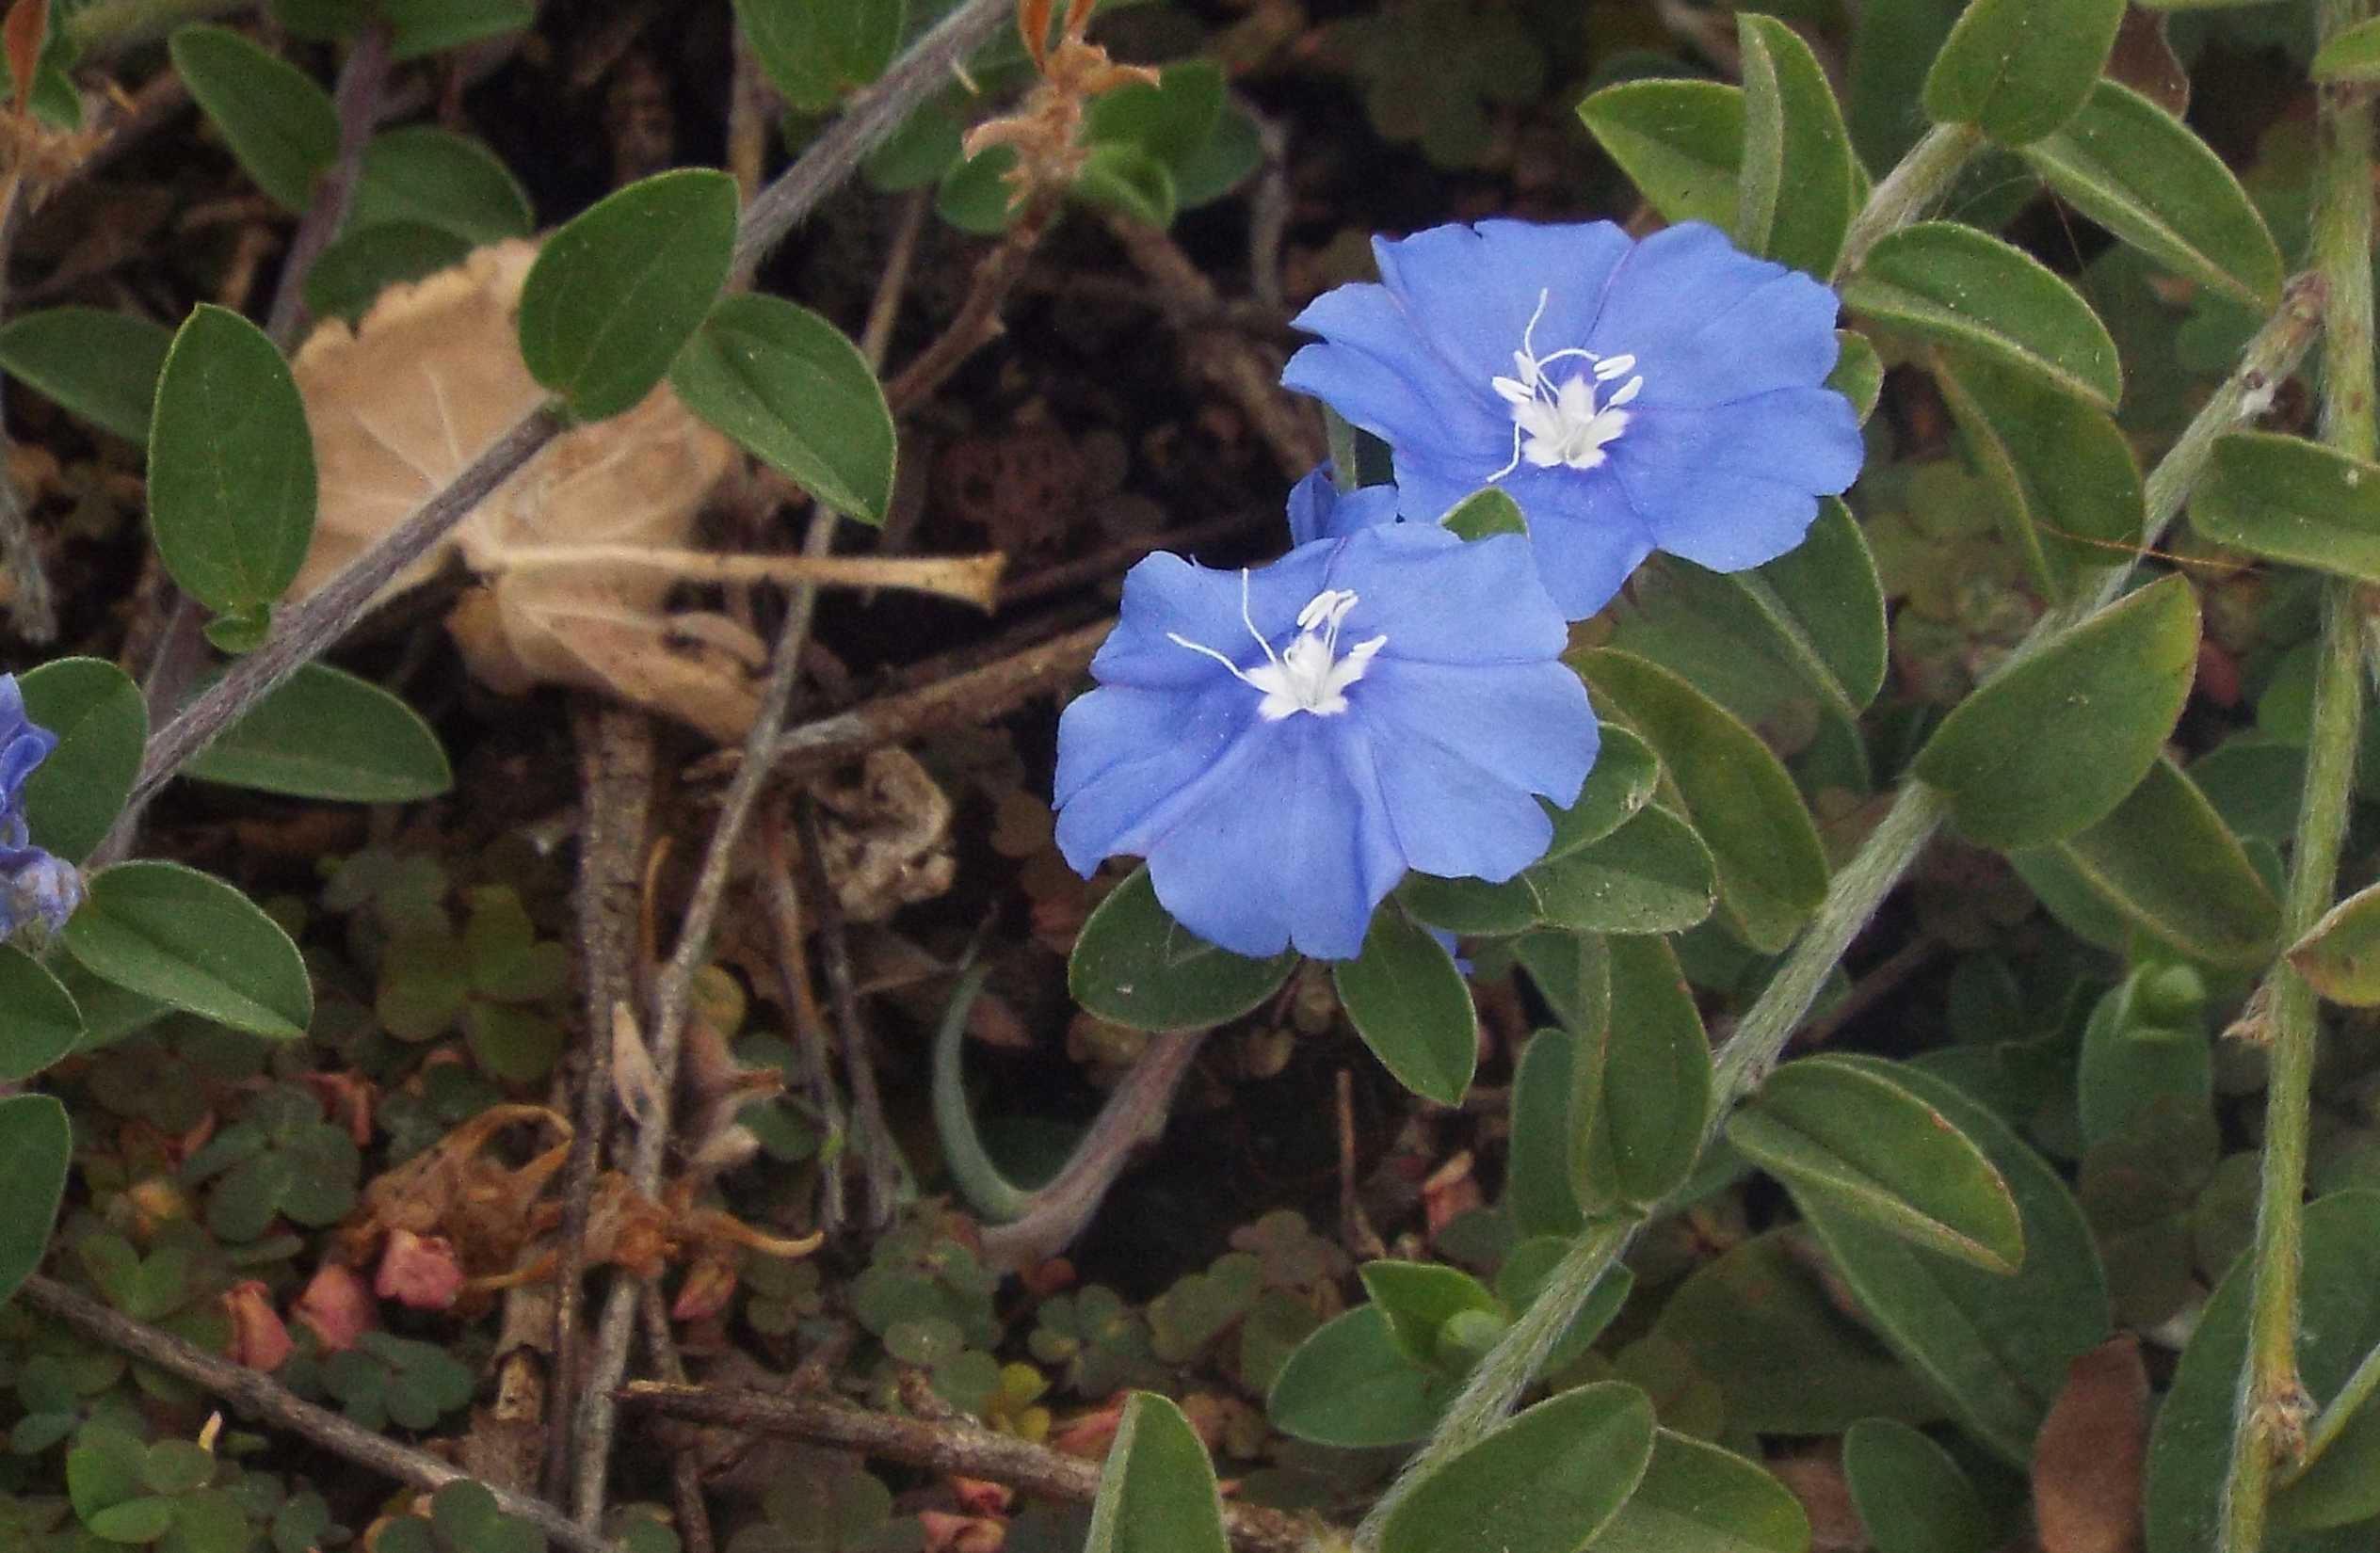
point(1630, 396)
point(1284, 743)
point(34, 885)
point(1318, 509)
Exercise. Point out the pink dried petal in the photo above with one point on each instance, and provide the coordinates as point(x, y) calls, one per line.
point(259, 1340)
point(336, 1308)
point(419, 1272)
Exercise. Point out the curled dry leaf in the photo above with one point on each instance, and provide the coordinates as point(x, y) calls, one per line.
point(575, 556)
point(884, 837)
point(259, 1340)
point(2088, 1458)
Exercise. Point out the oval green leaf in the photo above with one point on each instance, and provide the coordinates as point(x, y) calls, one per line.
point(2350, 53)
point(1640, 1091)
point(2287, 499)
point(230, 465)
point(189, 940)
point(323, 733)
point(2020, 68)
point(1911, 1496)
point(617, 293)
point(814, 50)
point(1157, 1491)
point(1695, 1497)
point(100, 365)
point(788, 386)
point(1546, 1481)
point(432, 177)
point(1737, 795)
point(1844, 1135)
point(1537, 1195)
point(1952, 284)
point(36, 1146)
point(2051, 746)
point(2166, 859)
point(1348, 1386)
point(2141, 174)
point(39, 1022)
point(1654, 874)
point(280, 125)
point(72, 798)
point(1799, 184)
point(350, 275)
point(1626, 771)
point(1996, 1345)
point(1134, 964)
point(1680, 142)
point(1411, 1006)
point(2066, 484)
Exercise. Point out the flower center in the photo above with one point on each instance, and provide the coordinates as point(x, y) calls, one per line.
point(1309, 674)
point(1562, 424)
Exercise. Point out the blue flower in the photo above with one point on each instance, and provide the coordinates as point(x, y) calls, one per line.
point(1631, 396)
point(33, 883)
point(1284, 743)
point(1318, 509)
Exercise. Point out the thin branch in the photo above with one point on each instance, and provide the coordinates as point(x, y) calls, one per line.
point(357, 97)
point(951, 1445)
point(259, 1395)
point(871, 1135)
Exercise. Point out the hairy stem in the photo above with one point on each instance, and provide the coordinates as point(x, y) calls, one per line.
point(1922, 177)
point(1852, 899)
point(2269, 1413)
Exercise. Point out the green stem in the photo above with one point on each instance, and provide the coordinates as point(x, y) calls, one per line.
point(1921, 178)
point(2336, 1414)
point(1852, 899)
point(2269, 1415)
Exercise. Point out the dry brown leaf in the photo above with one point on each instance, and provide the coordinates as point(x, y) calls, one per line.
point(2086, 1462)
point(884, 837)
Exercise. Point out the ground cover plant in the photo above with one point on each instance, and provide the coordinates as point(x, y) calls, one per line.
point(844, 775)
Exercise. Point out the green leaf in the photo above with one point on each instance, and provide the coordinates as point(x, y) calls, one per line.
point(1419, 1299)
point(1411, 1006)
point(2139, 1051)
point(2339, 956)
point(617, 293)
point(280, 125)
point(1799, 186)
point(141, 1520)
point(2167, 861)
point(189, 940)
point(1487, 511)
point(1859, 373)
point(2051, 746)
point(1911, 1496)
point(1640, 1093)
point(2060, 472)
point(1654, 874)
point(1737, 797)
point(788, 386)
point(2140, 172)
point(814, 50)
point(1680, 142)
point(419, 27)
point(1620, 784)
point(1224, 162)
point(1850, 1136)
point(434, 177)
point(2287, 499)
point(230, 464)
point(1170, 120)
point(1349, 1386)
point(39, 1022)
point(2350, 53)
point(1573, 973)
point(1157, 1491)
point(1996, 1345)
point(2020, 68)
point(1537, 1195)
point(323, 733)
point(1545, 1482)
point(1696, 1497)
point(1134, 965)
point(72, 798)
point(2339, 1322)
point(1949, 282)
point(36, 1146)
point(100, 365)
point(1123, 177)
point(359, 264)
point(973, 195)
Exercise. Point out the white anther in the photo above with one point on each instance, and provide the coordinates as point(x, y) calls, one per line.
point(1309, 674)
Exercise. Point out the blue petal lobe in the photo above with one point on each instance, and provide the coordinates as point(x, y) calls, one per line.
point(1166, 596)
point(1437, 598)
point(1474, 289)
point(1708, 323)
point(1737, 484)
point(1318, 509)
point(1587, 533)
point(1526, 725)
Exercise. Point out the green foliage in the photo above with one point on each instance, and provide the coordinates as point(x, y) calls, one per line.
point(787, 385)
point(100, 365)
point(1695, 1495)
point(386, 1379)
point(279, 122)
point(1411, 1006)
point(279, 1158)
point(1680, 142)
point(42, 1024)
point(464, 1518)
point(2020, 68)
point(1134, 965)
point(1800, 183)
point(495, 978)
point(816, 50)
point(1157, 1491)
point(101, 725)
point(1640, 1093)
point(1545, 1482)
point(1434, 71)
point(617, 291)
point(192, 942)
point(34, 1143)
point(1911, 1496)
point(323, 733)
point(2288, 499)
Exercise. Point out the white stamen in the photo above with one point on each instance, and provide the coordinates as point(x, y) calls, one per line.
point(1309, 674)
point(1563, 425)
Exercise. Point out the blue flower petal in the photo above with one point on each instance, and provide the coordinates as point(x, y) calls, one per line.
point(1587, 533)
point(1687, 281)
point(1737, 484)
point(1123, 751)
point(1451, 819)
point(1530, 727)
point(1284, 857)
point(1319, 510)
point(1376, 369)
point(1439, 600)
point(1472, 290)
point(1166, 596)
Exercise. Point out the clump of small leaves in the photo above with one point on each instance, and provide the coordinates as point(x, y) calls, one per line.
point(163, 1493)
point(1433, 70)
point(1098, 1343)
point(837, 1511)
point(1197, 1309)
point(386, 1379)
point(464, 1518)
point(281, 1158)
point(495, 978)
